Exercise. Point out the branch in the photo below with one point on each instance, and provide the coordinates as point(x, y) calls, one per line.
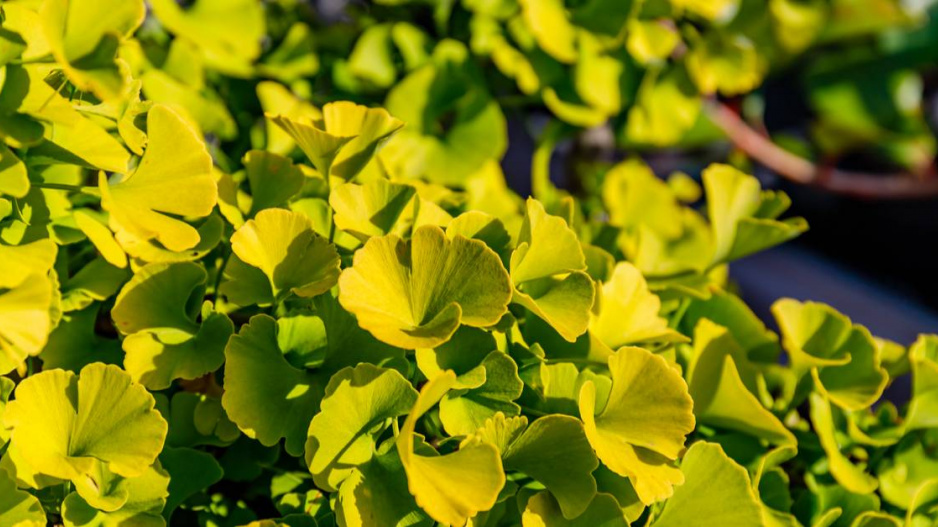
point(792, 167)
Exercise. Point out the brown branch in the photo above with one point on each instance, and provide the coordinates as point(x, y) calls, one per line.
point(790, 166)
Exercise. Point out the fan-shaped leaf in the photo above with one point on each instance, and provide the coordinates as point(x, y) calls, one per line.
point(416, 294)
point(453, 487)
point(641, 430)
point(357, 406)
point(174, 177)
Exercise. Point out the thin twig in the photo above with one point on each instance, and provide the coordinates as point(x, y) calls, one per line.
point(800, 170)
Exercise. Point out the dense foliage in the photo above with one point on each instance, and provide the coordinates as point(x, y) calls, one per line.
point(222, 303)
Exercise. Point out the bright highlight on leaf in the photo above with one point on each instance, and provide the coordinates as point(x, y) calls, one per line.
point(640, 431)
point(416, 294)
point(454, 487)
point(173, 177)
point(98, 424)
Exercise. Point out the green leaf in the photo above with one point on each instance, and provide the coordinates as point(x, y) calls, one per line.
point(100, 236)
point(462, 412)
point(909, 472)
point(376, 493)
point(98, 422)
point(13, 178)
point(628, 311)
point(851, 476)
point(174, 177)
point(842, 357)
point(548, 272)
point(743, 216)
point(283, 245)
point(18, 505)
point(454, 126)
point(723, 385)
point(74, 344)
point(371, 209)
point(18, 262)
point(84, 36)
point(158, 310)
point(146, 496)
point(24, 320)
point(730, 64)
point(567, 471)
point(228, 33)
point(548, 22)
point(454, 487)
point(346, 139)
point(264, 395)
point(665, 109)
point(716, 492)
point(190, 472)
point(358, 405)
point(542, 510)
point(640, 431)
point(416, 294)
point(923, 407)
point(273, 180)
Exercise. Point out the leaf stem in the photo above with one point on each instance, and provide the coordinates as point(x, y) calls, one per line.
point(89, 190)
point(221, 272)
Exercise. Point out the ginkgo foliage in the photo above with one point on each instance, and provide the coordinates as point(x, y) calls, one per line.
point(338, 314)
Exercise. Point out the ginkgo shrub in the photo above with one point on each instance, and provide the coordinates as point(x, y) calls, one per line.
point(337, 328)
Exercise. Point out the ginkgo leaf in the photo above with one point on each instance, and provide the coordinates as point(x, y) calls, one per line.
point(173, 177)
point(842, 357)
point(273, 179)
point(548, 272)
point(371, 209)
point(228, 33)
point(99, 235)
point(454, 487)
point(97, 420)
point(548, 22)
point(84, 36)
point(543, 510)
point(743, 216)
point(74, 344)
point(283, 245)
point(464, 354)
point(190, 471)
point(851, 476)
point(722, 397)
point(146, 496)
point(376, 494)
point(25, 320)
point(18, 505)
point(357, 406)
point(462, 412)
point(346, 138)
point(158, 310)
point(640, 431)
point(264, 395)
point(6, 389)
point(628, 311)
point(17, 262)
point(566, 472)
point(13, 178)
point(416, 294)
point(277, 100)
point(924, 403)
point(716, 492)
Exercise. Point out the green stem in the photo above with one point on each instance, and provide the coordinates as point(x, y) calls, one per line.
point(541, 185)
point(221, 272)
point(91, 191)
